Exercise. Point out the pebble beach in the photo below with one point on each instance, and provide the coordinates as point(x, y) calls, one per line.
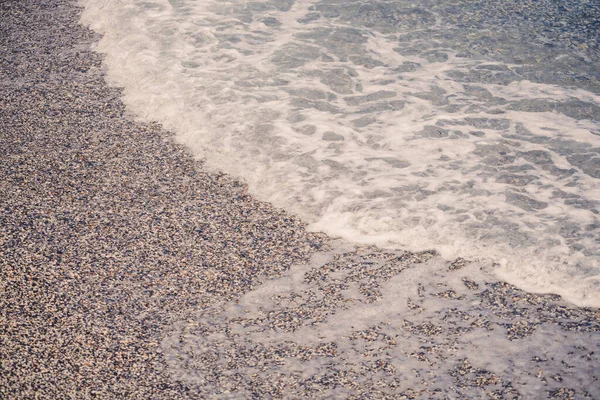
point(129, 270)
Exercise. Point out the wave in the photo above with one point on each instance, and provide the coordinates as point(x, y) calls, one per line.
point(472, 133)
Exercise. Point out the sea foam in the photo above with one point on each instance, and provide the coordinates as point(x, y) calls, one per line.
point(385, 123)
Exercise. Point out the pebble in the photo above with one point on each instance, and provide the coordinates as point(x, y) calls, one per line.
point(108, 230)
point(120, 256)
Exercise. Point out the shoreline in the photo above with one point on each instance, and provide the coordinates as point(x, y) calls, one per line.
point(109, 228)
point(116, 244)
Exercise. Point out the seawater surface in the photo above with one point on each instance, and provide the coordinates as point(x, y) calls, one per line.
point(468, 127)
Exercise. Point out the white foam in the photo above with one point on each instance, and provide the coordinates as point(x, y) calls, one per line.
point(238, 93)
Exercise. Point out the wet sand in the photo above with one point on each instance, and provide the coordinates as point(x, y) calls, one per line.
point(115, 244)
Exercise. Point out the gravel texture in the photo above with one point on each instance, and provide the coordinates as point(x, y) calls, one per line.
point(128, 271)
point(107, 229)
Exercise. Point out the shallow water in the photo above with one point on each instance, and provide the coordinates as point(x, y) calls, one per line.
point(371, 324)
point(471, 128)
